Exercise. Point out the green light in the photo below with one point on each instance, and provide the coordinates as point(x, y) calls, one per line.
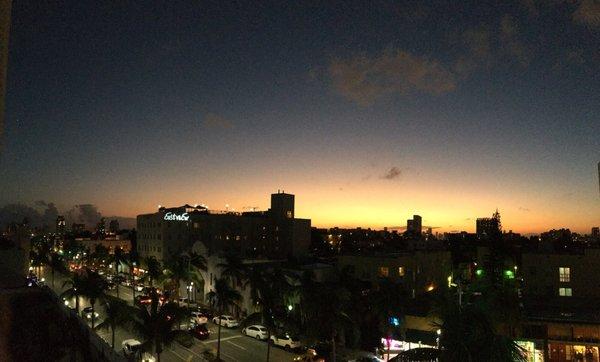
point(479, 272)
point(509, 274)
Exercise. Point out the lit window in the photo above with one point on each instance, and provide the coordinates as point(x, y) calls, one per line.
point(384, 271)
point(401, 271)
point(564, 274)
point(565, 292)
point(289, 214)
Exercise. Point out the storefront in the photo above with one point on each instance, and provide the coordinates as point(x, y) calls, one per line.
point(572, 352)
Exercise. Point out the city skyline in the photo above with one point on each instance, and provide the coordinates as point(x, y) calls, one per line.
point(369, 115)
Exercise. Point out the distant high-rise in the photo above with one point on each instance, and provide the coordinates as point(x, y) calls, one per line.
point(596, 232)
point(101, 228)
point(414, 225)
point(113, 226)
point(487, 226)
point(282, 205)
point(61, 225)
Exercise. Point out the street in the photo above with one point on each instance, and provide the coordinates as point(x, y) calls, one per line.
point(235, 347)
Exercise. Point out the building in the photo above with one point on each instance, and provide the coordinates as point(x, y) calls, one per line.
point(61, 225)
point(272, 234)
point(101, 228)
point(414, 226)
point(418, 271)
point(487, 226)
point(596, 232)
point(113, 226)
point(561, 293)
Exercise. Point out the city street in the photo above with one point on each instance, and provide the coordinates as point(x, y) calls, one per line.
point(235, 347)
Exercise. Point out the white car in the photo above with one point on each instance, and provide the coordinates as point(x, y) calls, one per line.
point(226, 321)
point(286, 341)
point(131, 348)
point(198, 317)
point(256, 331)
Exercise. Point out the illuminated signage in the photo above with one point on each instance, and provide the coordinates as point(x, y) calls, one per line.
point(174, 217)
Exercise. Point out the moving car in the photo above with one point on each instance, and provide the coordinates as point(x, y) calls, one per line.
point(286, 341)
point(256, 331)
point(226, 321)
point(87, 313)
point(200, 331)
point(309, 356)
point(132, 349)
point(143, 299)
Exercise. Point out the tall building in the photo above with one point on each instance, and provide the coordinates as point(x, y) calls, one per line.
point(275, 233)
point(414, 226)
point(61, 225)
point(488, 226)
point(113, 226)
point(101, 228)
point(596, 232)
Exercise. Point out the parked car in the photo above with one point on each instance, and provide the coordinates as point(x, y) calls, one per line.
point(87, 313)
point(131, 350)
point(200, 331)
point(286, 341)
point(226, 321)
point(198, 317)
point(256, 331)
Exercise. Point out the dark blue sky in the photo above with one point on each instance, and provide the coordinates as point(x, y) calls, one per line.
point(478, 105)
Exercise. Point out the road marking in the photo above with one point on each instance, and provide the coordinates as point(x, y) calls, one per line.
point(178, 355)
point(222, 339)
point(237, 345)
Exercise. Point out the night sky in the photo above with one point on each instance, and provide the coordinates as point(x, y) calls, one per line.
point(367, 111)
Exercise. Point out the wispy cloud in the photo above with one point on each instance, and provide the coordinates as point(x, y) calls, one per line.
point(588, 13)
point(510, 43)
point(212, 120)
point(524, 209)
point(365, 79)
point(392, 174)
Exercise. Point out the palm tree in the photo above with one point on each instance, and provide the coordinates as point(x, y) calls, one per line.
point(222, 297)
point(94, 288)
point(155, 325)
point(153, 269)
point(56, 264)
point(233, 268)
point(179, 269)
point(75, 284)
point(117, 313)
point(468, 334)
point(198, 261)
point(328, 318)
point(388, 301)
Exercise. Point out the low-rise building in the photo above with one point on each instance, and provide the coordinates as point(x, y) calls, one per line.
point(418, 271)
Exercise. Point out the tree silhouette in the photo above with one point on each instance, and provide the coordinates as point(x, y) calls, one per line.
point(221, 298)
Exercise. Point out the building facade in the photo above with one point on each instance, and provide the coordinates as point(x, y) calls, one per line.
point(274, 234)
point(418, 271)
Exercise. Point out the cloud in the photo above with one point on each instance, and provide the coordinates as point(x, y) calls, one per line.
point(588, 13)
point(524, 209)
point(478, 51)
point(510, 43)
point(364, 79)
point(212, 120)
point(392, 174)
point(87, 214)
